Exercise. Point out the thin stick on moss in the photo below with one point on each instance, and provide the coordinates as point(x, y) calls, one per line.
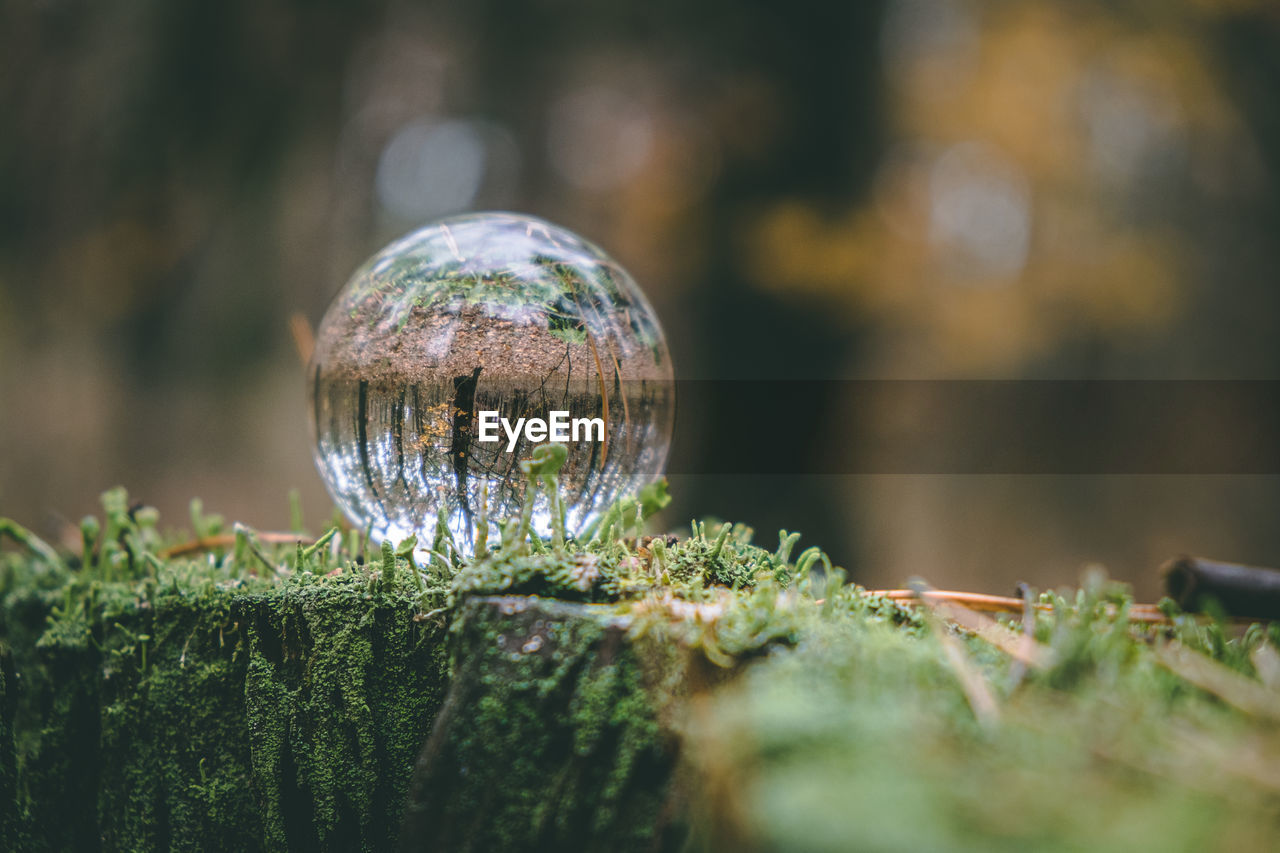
point(211, 543)
point(1204, 672)
point(976, 690)
point(1021, 647)
point(981, 602)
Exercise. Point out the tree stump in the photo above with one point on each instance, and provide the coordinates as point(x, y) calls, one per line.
point(551, 737)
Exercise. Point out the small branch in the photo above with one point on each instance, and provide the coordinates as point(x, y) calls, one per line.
point(1228, 685)
point(975, 687)
point(1241, 590)
point(1020, 647)
point(1266, 662)
point(981, 602)
point(304, 339)
point(209, 543)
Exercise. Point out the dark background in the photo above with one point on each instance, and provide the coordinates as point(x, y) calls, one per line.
point(916, 189)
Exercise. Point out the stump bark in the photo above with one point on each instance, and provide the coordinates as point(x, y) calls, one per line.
point(215, 719)
point(295, 719)
point(551, 737)
point(338, 711)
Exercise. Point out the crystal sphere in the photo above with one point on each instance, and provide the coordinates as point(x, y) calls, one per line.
point(441, 343)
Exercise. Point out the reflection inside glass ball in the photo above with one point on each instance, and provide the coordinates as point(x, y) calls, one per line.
point(490, 320)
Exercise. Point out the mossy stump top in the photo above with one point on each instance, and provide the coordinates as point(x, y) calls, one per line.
point(248, 691)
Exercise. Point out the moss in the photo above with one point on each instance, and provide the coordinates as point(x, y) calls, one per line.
point(615, 693)
point(12, 825)
point(341, 687)
point(186, 708)
point(174, 768)
point(550, 738)
point(861, 729)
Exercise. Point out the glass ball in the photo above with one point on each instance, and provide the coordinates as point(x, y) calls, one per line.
point(456, 350)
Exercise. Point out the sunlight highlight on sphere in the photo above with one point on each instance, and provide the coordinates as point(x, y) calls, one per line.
point(478, 315)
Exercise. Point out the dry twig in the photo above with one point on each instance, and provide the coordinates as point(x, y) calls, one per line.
point(981, 602)
point(1231, 687)
point(209, 543)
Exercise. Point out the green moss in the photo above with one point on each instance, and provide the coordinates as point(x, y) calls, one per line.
point(613, 693)
point(341, 687)
point(550, 738)
point(861, 729)
point(11, 819)
point(190, 704)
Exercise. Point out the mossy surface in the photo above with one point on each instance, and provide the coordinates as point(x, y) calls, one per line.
point(620, 692)
point(551, 738)
point(193, 705)
point(284, 719)
point(244, 694)
point(863, 735)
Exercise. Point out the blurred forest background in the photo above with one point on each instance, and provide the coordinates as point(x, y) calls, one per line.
point(898, 189)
